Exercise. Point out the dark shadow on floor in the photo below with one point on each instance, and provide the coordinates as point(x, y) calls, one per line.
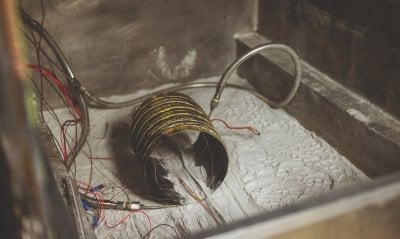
point(130, 170)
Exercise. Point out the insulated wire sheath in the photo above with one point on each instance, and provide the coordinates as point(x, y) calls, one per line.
point(96, 102)
point(71, 81)
point(83, 136)
point(87, 98)
point(118, 205)
point(231, 69)
point(34, 25)
point(186, 86)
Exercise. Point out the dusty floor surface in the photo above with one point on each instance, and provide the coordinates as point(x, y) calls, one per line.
point(283, 165)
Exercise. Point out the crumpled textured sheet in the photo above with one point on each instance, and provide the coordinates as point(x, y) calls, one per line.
point(282, 166)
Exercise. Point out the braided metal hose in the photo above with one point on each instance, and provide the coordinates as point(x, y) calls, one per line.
point(231, 69)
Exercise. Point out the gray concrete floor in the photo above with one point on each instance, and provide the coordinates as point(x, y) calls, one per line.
point(284, 165)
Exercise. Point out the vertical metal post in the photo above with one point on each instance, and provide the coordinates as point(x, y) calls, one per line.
point(31, 204)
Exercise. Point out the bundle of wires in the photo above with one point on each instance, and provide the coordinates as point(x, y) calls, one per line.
point(75, 108)
point(78, 98)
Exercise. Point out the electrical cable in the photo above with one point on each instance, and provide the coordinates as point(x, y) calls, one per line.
point(185, 86)
point(232, 67)
point(85, 98)
point(162, 116)
point(127, 216)
point(99, 103)
point(96, 102)
point(109, 204)
point(53, 80)
point(81, 111)
point(34, 25)
point(119, 205)
point(51, 110)
point(73, 83)
point(84, 120)
point(249, 128)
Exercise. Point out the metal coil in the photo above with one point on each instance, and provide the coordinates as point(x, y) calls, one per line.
point(165, 115)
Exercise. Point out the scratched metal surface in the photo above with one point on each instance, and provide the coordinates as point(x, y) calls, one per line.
point(284, 165)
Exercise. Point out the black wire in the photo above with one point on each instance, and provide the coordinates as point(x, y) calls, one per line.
point(36, 89)
point(89, 156)
point(50, 61)
point(37, 45)
point(160, 225)
point(81, 141)
point(59, 94)
point(74, 85)
point(34, 25)
point(84, 97)
point(82, 105)
point(83, 135)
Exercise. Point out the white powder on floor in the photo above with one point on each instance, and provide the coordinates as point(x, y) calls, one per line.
point(285, 164)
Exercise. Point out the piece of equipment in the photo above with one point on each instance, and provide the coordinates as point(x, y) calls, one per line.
point(158, 119)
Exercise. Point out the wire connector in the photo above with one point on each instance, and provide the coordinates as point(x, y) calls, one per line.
point(213, 105)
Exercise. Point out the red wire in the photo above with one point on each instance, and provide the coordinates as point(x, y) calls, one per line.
point(127, 216)
point(63, 145)
point(77, 114)
point(76, 111)
point(98, 196)
point(64, 128)
point(64, 90)
point(88, 187)
point(251, 129)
